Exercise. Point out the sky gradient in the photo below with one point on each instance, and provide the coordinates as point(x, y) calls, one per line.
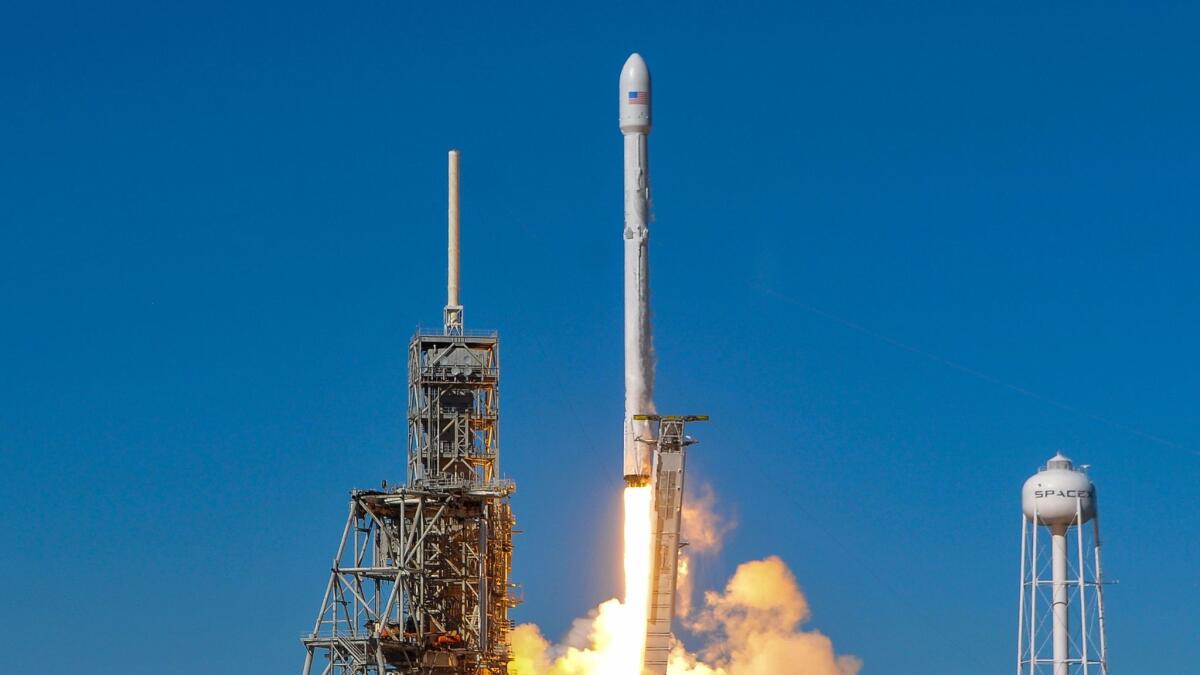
point(901, 253)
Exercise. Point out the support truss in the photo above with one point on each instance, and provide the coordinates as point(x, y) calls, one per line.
point(419, 583)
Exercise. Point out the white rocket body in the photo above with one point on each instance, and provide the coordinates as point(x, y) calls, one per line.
point(639, 350)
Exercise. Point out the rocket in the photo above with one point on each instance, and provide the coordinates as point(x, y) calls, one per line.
point(634, 104)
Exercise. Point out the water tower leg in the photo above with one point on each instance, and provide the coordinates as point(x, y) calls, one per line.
point(1098, 580)
point(1058, 563)
point(1021, 605)
point(1083, 625)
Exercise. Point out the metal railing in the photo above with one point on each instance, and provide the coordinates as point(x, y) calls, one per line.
point(469, 485)
point(441, 332)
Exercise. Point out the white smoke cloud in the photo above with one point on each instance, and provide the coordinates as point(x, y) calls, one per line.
point(704, 531)
point(752, 627)
point(703, 528)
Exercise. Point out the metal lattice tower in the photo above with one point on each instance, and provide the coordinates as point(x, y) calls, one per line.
point(420, 581)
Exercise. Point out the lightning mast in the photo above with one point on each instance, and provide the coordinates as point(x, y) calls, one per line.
point(420, 581)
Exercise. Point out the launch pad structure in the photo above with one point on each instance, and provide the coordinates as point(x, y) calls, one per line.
point(420, 581)
point(669, 454)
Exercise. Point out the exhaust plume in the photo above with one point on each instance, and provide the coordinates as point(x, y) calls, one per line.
point(753, 627)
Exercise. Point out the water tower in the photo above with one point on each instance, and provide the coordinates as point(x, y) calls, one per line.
point(1058, 501)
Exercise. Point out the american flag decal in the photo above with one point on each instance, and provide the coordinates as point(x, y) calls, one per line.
point(639, 98)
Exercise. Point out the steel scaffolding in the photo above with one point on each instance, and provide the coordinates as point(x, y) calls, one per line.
point(419, 584)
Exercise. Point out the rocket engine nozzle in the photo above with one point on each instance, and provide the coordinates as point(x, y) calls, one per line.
point(637, 480)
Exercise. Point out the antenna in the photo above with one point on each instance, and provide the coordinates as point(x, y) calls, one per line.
point(454, 311)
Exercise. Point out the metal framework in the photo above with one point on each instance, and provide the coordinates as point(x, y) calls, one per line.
point(670, 445)
point(1039, 594)
point(419, 584)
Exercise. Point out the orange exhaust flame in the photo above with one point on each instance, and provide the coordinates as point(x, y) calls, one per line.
point(753, 627)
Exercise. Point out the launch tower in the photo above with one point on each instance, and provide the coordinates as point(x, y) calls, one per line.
point(420, 581)
point(669, 460)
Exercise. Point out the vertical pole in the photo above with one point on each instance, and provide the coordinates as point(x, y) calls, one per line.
point(357, 563)
point(453, 315)
point(422, 621)
point(373, 608)
point(337, 591)
point(1033, 598)
point(1100, 595)
point(405, 607)
point(484, 589)
point(452, 250)
point(1058, 565)
point(1083, 625)
point(1021, 606)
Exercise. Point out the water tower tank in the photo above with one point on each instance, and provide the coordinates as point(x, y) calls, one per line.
point(1053, 494)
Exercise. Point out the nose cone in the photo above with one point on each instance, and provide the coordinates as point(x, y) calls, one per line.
point(635, 96)
point(635, 75)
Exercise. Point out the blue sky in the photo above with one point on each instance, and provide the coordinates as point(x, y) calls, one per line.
point(902, 252)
